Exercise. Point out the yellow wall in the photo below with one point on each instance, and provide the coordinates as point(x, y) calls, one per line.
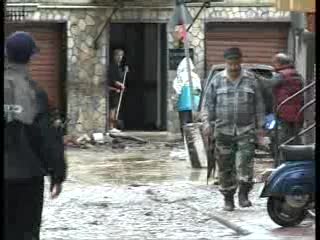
point(295, 5)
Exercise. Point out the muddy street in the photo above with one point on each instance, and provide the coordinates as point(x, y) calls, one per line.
point(149, 191)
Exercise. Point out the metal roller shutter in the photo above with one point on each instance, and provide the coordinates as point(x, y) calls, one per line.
point(258, 41)
point(46, 66)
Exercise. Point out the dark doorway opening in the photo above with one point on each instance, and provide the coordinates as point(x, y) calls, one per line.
point(144, 104)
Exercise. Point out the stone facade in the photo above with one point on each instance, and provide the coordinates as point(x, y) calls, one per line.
point(86, 66)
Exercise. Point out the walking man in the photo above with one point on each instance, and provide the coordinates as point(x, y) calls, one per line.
point(115, 85)
point(33, 148)
point(236, 111)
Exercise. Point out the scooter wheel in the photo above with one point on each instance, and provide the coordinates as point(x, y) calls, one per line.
point(284, 215)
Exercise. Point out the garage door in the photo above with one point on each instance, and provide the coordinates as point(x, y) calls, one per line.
point(258, 41)
point(46, 67)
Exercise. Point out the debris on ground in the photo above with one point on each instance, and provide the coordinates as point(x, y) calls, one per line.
point(83, 139)
point(118, 144)
point(115, 141)
point(264, 175)
point(179, 154)
point(98, 138)
point(127, 137)
point(70, 141)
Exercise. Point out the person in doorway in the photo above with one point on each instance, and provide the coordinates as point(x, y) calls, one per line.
point(236, 110)
point(182, 90)
point(115, 84)
point(33, 147)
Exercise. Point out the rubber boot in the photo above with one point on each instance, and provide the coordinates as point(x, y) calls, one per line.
point(243, 195)
point(228, 202)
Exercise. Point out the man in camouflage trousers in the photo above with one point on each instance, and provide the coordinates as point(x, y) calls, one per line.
point(235, 110)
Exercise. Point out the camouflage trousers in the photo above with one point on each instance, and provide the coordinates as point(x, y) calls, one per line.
point(235, 156)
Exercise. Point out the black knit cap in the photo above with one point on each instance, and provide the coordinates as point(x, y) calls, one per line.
point(232, 53)
point(20, 46)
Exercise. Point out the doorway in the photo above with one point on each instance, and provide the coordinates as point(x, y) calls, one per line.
point(144, 104)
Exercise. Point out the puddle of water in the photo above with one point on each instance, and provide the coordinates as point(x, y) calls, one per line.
point(131, 167)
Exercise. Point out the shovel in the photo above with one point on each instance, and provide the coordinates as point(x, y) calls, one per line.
point(119, 123)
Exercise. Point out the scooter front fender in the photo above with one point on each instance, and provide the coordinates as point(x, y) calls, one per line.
point(291, 178)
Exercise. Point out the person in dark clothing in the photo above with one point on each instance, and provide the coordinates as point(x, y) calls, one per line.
point(115, 85)
point(286, 82)
point(33, 148)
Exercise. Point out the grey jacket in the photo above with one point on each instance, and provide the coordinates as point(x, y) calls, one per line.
point(233, 108)
point(34, 150)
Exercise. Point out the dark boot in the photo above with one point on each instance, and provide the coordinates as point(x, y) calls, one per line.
point(244, 201)
point(228, 202)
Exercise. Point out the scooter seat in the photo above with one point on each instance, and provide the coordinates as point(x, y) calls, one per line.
point(297, 152)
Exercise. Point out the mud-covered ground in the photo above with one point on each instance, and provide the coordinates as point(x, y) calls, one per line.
point(148, 191)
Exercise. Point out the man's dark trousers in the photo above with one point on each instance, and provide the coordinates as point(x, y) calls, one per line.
point(23, 208)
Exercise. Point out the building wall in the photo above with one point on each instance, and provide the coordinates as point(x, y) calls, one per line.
point(87, 66)
point(305, 64)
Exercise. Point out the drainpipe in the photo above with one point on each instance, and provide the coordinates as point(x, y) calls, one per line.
point(187, 54)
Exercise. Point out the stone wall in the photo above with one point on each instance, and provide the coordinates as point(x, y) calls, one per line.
point(87, 66)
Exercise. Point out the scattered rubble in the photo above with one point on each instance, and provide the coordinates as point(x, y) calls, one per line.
point(179, 154)
point(98, 138)
point(115, 141)
point(127, 137)
point(83, 139)
point(264, 175)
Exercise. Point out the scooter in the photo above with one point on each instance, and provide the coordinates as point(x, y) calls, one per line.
point(290, 188)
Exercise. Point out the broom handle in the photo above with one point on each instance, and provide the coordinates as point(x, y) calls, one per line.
point(121, 94)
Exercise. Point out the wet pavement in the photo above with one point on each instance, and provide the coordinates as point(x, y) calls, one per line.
point(150, 192)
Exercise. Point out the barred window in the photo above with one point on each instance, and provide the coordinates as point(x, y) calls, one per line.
point(18, 11)
point(15, 15)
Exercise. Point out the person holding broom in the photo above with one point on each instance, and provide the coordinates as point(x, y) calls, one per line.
point(115, 77)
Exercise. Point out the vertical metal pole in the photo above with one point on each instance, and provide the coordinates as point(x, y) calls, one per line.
point(186, 50)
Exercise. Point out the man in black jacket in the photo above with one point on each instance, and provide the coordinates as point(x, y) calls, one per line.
point(33, 148)
point(115, 77)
